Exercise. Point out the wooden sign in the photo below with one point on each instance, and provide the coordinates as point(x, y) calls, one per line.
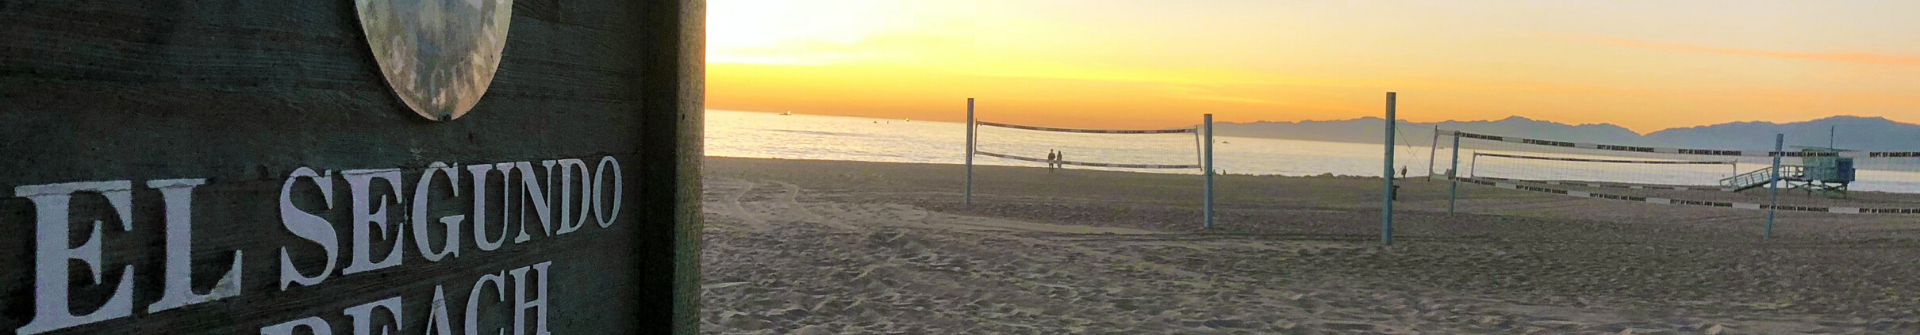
point(248, 167)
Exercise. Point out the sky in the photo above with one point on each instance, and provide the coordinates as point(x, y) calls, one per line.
point(1644, 65)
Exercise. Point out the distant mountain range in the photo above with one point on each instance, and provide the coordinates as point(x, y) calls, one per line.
point(1852, 132)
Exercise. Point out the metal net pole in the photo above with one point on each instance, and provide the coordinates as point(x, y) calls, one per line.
point(970, 147)
point(1386, 199)
point(1453, 191)
point(1207, 154)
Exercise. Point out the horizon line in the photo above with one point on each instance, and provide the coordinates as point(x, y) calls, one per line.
point(1403, 120)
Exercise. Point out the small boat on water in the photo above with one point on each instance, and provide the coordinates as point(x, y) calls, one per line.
point(787, 113)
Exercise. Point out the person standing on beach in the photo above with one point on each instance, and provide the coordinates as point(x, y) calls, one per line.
point(1050, 159)
point(1396, 184)
point(1060, 159)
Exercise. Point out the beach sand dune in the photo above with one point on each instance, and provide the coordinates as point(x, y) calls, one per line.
point(818, 247)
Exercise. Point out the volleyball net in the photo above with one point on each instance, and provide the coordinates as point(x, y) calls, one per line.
point(1148, 149)
point(1597, 171)
point(1811, 178)
point(1139, 150)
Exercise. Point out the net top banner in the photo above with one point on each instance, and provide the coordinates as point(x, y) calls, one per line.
point(1682, 151)
point(1592, 160)
point(1108, 165)
point(1092, 131)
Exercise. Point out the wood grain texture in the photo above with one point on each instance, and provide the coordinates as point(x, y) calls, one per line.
point(242, 93)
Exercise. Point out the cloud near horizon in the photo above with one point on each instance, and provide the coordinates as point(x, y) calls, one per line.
point(1843, 57)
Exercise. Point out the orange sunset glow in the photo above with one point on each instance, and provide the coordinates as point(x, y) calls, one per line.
point(1644, 65)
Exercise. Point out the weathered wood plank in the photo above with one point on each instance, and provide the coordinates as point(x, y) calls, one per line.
point(244, 93)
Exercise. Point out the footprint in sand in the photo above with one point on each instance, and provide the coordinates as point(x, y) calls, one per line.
point(794, 208)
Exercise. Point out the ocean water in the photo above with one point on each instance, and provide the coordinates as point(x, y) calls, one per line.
point(769, 135)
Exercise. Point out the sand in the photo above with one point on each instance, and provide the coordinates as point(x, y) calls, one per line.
point(819, 247)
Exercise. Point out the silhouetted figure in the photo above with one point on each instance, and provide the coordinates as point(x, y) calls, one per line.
point(1060, 159)
point(1051, 157)
point(1395, 196)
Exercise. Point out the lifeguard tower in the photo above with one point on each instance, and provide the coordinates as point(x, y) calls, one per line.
point(1825, 172)
point(1821, 170)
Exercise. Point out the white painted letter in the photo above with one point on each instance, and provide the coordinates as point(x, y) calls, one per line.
point(473, 300)
point(363, 316)
point(178, 288)
point(313, 323)
point(452, 222)
point(600, 174)
point(567, 224)
point(307, 226)
point(439, 323)
point(360, 188)
point(508, 199)
point(521, 304)
point(538, 197)
point(51, 309)
point(480, 209)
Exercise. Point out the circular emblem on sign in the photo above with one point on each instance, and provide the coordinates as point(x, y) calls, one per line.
point(439, 55)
